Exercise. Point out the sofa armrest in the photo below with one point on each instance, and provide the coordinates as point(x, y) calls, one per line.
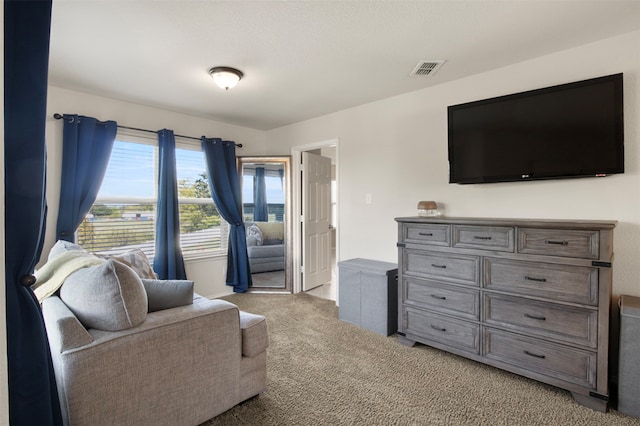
point(63, 328)
point(255, 336)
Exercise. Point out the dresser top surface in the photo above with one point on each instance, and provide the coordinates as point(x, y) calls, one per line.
point(537, 223)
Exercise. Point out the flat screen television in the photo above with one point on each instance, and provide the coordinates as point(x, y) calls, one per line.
point(566, 131)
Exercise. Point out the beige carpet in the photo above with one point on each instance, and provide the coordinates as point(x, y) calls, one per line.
point(322, 371)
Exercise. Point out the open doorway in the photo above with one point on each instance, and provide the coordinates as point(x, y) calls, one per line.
point(316, 230)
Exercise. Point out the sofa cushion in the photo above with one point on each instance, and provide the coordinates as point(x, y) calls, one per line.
point(166, 294)
point(254, 236)
point(255, 337)
point(136, 260)
point(62, 246)
point(272, 232)
point(107, 297)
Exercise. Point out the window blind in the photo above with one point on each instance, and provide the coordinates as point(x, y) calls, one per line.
point(123, 216)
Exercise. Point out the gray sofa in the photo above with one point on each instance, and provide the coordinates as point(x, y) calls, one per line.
point(265, 246)
point(181, 365)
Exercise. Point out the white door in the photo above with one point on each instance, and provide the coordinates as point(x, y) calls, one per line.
point(316, 220)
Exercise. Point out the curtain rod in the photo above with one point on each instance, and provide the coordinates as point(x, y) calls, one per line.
point(59, 116)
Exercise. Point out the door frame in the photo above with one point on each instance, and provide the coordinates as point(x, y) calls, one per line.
point(296, 202)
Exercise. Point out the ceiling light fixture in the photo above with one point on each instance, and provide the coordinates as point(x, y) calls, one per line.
point(225, 77)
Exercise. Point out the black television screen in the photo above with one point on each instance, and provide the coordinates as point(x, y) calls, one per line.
point(570, 130)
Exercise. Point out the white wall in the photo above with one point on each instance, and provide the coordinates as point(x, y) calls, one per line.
point(209, 275)
point(396, 149)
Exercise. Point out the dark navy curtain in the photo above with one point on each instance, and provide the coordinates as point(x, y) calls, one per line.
point(225, 189)
point(260, 213)
point(86, 149)
point(168, 262)
point(33, 398)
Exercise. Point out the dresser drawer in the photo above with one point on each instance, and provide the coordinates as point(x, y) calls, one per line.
point(448, 267)
point(441, 297)
point(497, 238)
point(549, 320)
point(583, 244)
point(427, 233)
point(535, 355)
point(556, 282)
point(447, 331)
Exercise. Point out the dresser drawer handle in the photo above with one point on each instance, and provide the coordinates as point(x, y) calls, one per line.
point(558, 243)
point(478, 237)
point(435, 327)
point(439, 266)
point(426, 234)
point(535, 317)
point(435, 296)
point(538, 280)
point(534, 355)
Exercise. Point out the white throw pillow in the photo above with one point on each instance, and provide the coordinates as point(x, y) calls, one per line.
point(254, 236)
point(62, 246)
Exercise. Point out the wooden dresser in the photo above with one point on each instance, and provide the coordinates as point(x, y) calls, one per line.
point(528, 296)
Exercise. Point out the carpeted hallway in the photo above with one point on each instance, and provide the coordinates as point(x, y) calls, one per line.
point(322, 371)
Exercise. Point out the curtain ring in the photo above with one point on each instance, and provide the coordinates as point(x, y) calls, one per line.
point(28, 280)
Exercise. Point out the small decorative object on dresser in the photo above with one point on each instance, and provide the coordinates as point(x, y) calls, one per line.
point(528, 296)
point(428, 209)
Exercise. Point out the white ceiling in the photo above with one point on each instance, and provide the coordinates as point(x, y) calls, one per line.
point(304, 59)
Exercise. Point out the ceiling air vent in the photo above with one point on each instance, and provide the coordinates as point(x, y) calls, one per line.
point(425, 68)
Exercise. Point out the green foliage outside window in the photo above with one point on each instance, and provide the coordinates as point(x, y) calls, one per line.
point(196, 217)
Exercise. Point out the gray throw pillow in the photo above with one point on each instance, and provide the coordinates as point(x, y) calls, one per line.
point(165, 294)
point(106, 297)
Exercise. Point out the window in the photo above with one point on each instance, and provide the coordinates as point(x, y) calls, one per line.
point(123, 215)
point(202, 229)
